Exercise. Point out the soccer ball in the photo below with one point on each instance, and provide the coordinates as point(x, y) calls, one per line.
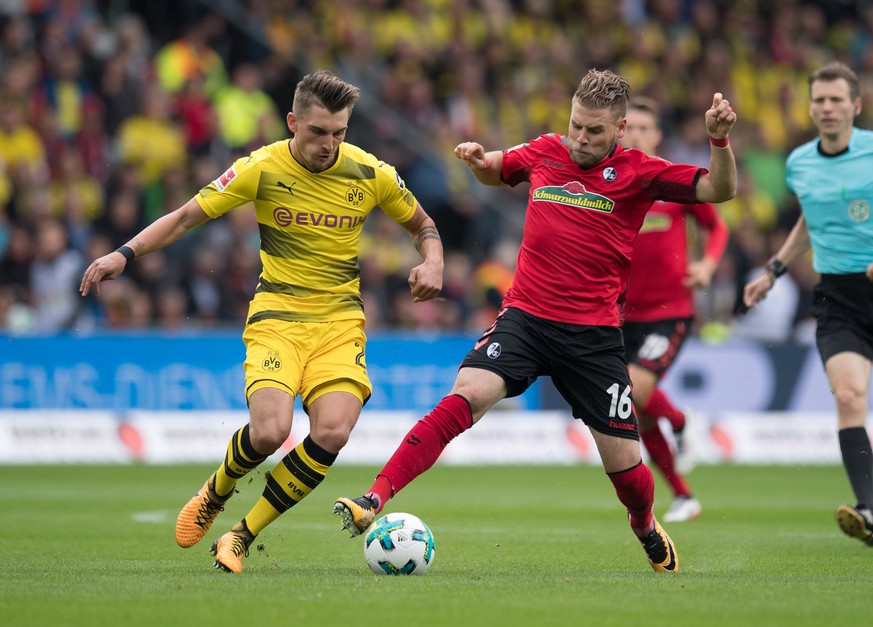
point(399, 544)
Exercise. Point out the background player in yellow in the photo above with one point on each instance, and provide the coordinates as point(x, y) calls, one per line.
point(305, 329)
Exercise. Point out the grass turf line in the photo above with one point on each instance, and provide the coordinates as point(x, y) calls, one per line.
point(516, 545)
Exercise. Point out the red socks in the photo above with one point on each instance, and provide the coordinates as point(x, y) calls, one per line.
point(662, 457)
point(660, 406)
point(635, 488)
point(422, 446)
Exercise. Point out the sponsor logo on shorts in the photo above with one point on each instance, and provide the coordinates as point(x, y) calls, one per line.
point(625, 426)
point(494, 349)
point(272, 362)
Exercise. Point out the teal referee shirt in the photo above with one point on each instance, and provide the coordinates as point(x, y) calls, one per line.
point(836, 197)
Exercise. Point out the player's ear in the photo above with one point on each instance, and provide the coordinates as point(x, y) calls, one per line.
point(622, 127)
point(291, 120)
point(857, 107)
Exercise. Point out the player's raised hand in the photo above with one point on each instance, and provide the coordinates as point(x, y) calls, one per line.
point(105, 268)
point(720, 117)
point(473, 153)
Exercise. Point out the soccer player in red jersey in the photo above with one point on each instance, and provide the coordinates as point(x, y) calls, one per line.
point(659, 308)
point(588, 198)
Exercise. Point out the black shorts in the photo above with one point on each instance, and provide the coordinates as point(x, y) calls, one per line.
point(586, 364)
point(843, 308)
point(655, 345)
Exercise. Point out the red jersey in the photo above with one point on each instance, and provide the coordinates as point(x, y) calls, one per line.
point(580, 226)
point(660, 259)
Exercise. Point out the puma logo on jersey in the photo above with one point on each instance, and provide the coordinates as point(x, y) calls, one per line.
point(286, 187)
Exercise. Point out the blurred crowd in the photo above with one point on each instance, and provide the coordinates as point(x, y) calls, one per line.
point(113, 113)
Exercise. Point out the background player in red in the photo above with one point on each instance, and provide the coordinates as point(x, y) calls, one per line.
point(660, 309)
point(588, 197)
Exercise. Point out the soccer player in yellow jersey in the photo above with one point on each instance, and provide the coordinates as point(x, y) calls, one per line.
point(305, 329)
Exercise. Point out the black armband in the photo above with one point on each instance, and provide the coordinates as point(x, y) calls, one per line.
point(776, 267)
point(127, 251)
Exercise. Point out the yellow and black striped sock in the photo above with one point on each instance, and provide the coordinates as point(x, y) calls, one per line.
point(293, 478)
point(240, 460)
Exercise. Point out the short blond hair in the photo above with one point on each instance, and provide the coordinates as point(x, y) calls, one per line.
point(603, 89)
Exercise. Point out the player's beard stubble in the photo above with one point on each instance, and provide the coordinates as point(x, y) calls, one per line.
point(588, 159)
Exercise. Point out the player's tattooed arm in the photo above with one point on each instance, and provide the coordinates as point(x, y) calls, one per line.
point(428, 232)
point(425, 279)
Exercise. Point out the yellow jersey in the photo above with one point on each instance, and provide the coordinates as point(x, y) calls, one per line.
point(310, 225)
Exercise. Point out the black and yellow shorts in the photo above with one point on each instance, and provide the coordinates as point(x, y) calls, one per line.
point(307, 358)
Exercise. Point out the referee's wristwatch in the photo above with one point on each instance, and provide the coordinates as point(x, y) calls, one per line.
point(776, 268)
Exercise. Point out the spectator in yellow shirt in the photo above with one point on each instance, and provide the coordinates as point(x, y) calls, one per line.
point(247, 116)
point(151, 141)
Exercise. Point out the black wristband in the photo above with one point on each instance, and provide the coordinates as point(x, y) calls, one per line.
point(776, 267)
point(127, 251)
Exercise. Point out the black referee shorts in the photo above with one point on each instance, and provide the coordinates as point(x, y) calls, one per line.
point(586, 364)
point(843, 309)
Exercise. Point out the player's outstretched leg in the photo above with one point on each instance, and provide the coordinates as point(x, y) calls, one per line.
point(417, 452)
point(635, 488)
point(357, 514)
point(856, 522)
point(198, 514)
point(660, 550)
point(230, 548)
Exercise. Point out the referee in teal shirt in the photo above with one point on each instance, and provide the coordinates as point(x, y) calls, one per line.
point(832, 177)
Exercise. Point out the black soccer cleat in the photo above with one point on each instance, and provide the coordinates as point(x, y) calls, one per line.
point(357, 514)
point(856, 522)
point(660, 551)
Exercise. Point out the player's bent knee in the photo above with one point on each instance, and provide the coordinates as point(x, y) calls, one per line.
point(266, 439)
point(331, 438)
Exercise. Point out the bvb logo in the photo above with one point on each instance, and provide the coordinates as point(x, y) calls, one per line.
point(272, 363)
point(355, 196)
point(859, 211)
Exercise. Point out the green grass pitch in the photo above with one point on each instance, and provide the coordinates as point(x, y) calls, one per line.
point(93, 545)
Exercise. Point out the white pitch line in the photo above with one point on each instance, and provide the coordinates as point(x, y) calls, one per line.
point(158, 516)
